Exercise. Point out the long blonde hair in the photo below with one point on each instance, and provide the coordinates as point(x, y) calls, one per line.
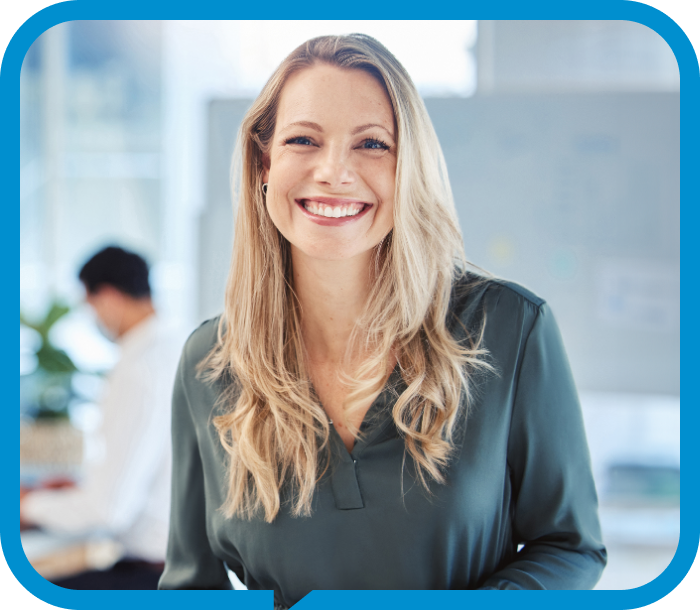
point(272, 425)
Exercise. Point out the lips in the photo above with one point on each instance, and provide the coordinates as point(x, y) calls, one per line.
point(332, 211)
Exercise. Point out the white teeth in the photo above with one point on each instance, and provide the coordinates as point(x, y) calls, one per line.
point(332, 211)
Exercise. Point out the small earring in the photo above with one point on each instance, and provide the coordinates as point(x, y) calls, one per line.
point(264, 188)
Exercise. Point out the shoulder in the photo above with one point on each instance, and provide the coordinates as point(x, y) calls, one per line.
point(518, 292)
point(192, 389)
point(510, 323)
point(475, 297)
point(200, 343)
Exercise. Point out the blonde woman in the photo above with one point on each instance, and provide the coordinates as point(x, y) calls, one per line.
point(366, 414)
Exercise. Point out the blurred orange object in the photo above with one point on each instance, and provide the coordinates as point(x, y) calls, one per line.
point(57, 483)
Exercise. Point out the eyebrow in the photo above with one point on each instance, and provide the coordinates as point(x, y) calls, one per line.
point(310, 124)
point(318, 128)
point(363, 128)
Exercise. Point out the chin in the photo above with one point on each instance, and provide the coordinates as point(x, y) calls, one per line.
point(332, 251)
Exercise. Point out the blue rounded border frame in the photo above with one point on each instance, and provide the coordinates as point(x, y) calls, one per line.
point(361, 599)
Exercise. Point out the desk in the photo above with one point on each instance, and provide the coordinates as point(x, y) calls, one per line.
point(55, 557)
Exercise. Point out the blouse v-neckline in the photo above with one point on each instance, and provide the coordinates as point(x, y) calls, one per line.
point(345, 464)
point(373, 416)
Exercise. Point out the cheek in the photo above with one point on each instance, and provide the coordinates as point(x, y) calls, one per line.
point(288, 173)
point(278, 208)
point(385, 187)
point(381, 173)
point(282, 177)
point(286, 167)
point(387, 219)
point(109, 315)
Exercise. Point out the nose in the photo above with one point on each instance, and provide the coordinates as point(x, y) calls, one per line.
point(333, 168)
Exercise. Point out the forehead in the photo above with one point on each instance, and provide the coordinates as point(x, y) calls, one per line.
point(325, 92)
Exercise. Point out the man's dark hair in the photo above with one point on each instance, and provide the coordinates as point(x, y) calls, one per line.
point(123, 270)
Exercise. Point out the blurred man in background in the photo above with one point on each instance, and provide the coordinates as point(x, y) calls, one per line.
point(126, 494)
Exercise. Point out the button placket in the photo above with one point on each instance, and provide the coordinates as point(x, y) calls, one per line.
point(346, 489)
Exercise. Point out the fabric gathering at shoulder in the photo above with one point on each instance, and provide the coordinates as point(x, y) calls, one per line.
point(474, 296)
point(524, 292)
point(201, 341)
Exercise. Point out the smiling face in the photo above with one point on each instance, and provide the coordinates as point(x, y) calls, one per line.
point(331, 164)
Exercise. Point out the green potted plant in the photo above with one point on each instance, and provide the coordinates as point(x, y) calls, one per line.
point(52, 377)
point(47, 437)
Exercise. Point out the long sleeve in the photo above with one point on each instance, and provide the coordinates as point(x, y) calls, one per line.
point(190, 562)
point(126, 483)
point(554, 498)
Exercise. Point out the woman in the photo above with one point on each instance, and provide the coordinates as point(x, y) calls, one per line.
point(366, 414)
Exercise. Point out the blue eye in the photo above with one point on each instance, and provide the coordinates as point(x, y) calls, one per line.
point(298, 140)
point(374, 144)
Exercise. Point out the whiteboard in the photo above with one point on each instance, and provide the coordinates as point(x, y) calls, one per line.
point(576, 196)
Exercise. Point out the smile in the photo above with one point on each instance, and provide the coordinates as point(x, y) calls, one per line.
point(332, 211)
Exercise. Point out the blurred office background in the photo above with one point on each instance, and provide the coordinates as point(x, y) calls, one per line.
point(562, 143)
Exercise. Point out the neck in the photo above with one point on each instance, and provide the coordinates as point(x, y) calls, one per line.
point(138, 311)
point(332, 295)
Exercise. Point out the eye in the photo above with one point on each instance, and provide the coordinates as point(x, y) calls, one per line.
point(303, 140)
point(375, 144)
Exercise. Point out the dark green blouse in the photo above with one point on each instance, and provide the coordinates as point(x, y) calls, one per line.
point(518, 511)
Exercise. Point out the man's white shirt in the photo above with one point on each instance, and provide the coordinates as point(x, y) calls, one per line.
point(126, 493)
